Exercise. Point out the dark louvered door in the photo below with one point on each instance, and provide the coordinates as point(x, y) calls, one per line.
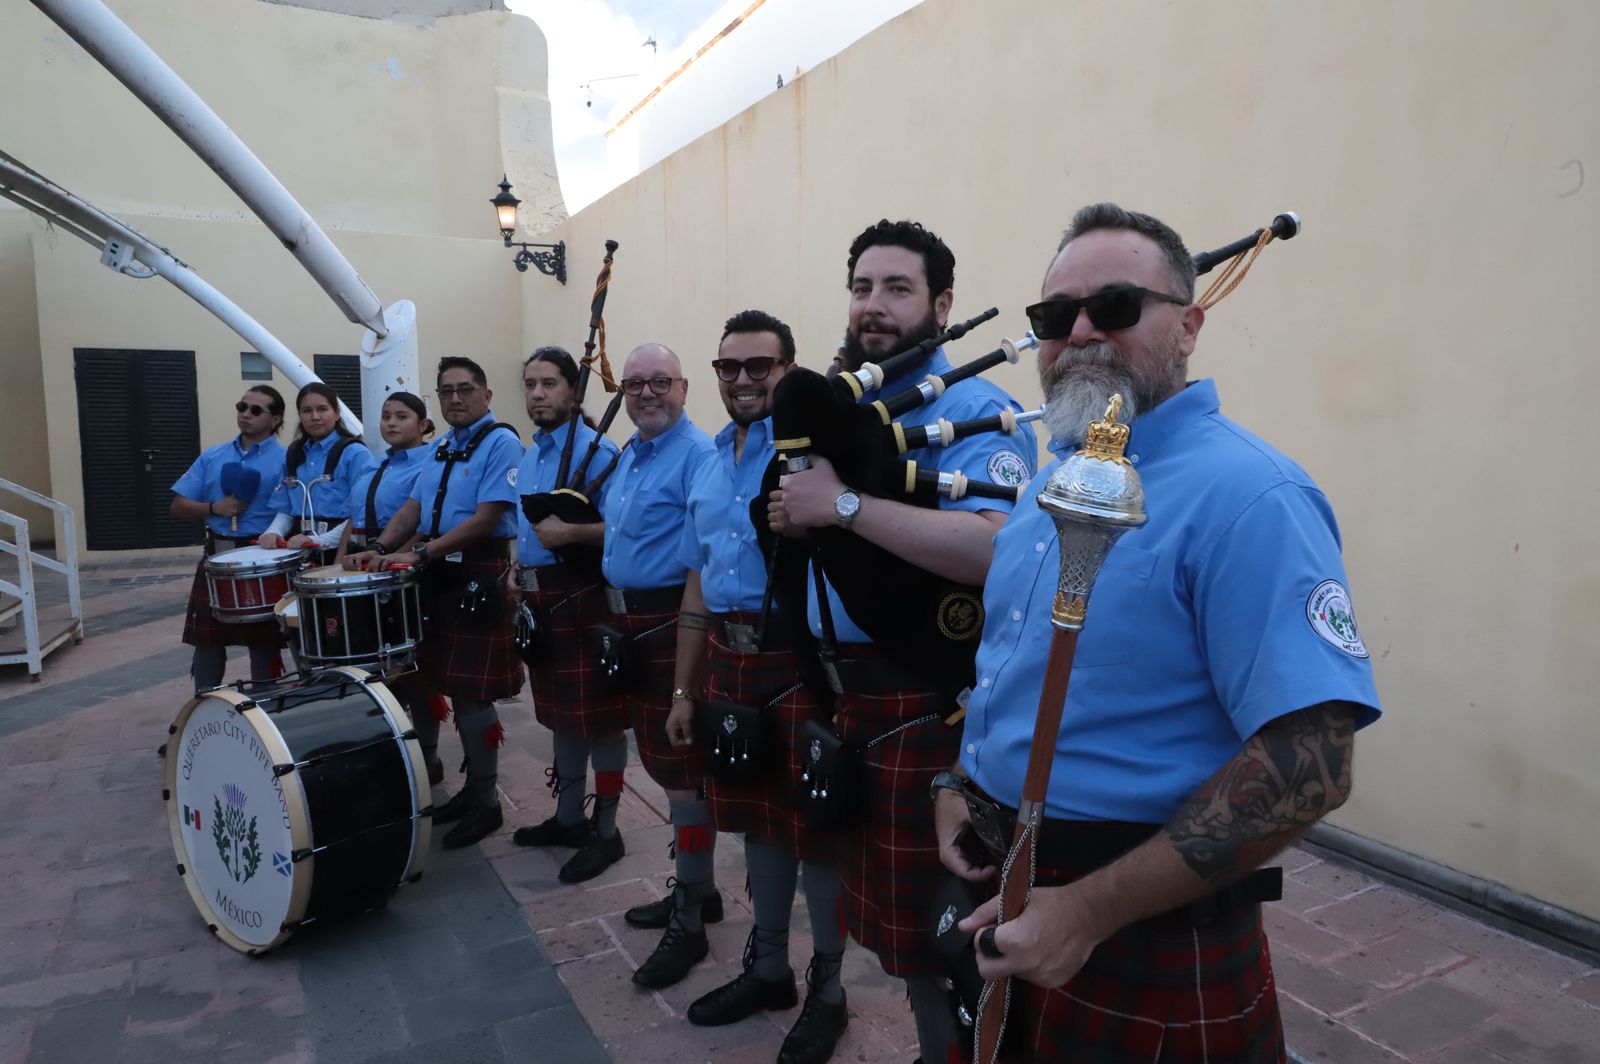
point(342, 373)
point(139, 427)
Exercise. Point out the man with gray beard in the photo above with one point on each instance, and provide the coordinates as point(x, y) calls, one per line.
point(1214, 700)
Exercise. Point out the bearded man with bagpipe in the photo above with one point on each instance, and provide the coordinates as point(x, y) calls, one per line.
point(1214, 692)
point(896, 696)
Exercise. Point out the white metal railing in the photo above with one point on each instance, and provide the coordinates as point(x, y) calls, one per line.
point(35, 643)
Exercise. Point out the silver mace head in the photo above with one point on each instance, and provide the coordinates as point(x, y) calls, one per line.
point(1093, 497)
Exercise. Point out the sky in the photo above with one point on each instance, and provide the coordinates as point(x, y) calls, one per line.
point(598, 58)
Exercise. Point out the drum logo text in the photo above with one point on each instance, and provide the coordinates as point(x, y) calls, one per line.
point(231, 909)
point(238, 843)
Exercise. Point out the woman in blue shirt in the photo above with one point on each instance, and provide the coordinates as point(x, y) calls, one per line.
point(311, 511)
point(375, 496)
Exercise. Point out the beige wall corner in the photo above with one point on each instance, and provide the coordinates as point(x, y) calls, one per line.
point(1424, 349)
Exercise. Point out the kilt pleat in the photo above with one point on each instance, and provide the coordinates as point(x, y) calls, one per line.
point(766, 806)
point(1164, 990)
point(568, 697)
point(889, 861)
point(478, 663)
point(202, 629)
point(649, 699)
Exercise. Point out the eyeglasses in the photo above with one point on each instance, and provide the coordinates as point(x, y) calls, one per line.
point(1112, 309)
point(756, 368)
point(658, 385)
point(255, 411)
point(446, 392)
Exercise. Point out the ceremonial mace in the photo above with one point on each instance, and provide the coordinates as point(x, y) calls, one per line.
point(1094, 497)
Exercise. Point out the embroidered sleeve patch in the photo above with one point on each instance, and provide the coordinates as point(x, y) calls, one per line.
point(1332, 617)
point(511, 476)
point(1007, 467)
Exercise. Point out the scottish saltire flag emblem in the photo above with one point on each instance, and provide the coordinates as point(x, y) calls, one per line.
point(281, 864)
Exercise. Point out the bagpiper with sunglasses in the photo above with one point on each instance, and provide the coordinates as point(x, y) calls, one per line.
point(587, 722)
point(739, 675)
point(1217, 686)
point(644, 504)
point(901, 279)
point(458, 527)
point(227, 487)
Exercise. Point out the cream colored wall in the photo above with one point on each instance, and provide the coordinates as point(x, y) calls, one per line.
point(1423, 349)
point(392, 134)
point(23, 457)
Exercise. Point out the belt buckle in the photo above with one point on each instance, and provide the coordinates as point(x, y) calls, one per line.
point(740, 637)
point(528, 579)
point(988, 822)
point(616, 599)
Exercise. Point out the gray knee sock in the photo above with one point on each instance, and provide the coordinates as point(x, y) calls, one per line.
point(691, 823)
point(265, 663)
point(936, 1023)
point(610, 757)
point(773, 871)
point(822, 889)
point(208, 666)
point(481, 733)
point(567, 776)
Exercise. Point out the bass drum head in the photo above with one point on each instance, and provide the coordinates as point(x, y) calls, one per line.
point(235, 826)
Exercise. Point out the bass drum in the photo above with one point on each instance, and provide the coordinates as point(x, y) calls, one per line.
point(294, 802)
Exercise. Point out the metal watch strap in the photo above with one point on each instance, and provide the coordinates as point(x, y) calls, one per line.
point(946, 780)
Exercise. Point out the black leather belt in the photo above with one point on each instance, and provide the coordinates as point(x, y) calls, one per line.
point(877, 675)
point(484, 550)
point(643, 600)
point(737, 632)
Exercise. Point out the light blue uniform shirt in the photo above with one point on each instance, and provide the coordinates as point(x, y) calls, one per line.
point(489, 476)
point(998, 457)
point(644, 505)
point(393, 490)
point(329, 498)
point(719, 541)
point(537, 474)
point(1226, 610)
point(203, 483)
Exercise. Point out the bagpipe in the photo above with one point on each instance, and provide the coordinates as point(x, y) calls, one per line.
point(571, 499)
point(1093, 498)
point(926, 623)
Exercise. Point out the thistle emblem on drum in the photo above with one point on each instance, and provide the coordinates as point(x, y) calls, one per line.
point(238, 843)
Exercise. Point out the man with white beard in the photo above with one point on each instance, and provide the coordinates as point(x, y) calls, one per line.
point(1215, 695)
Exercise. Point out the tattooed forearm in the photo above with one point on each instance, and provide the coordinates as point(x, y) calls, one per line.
point(1289, 775)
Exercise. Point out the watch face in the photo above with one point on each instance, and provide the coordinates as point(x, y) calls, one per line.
point(847, 504)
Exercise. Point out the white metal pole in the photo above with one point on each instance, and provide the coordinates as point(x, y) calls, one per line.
point(121, 51)
point(32, 190)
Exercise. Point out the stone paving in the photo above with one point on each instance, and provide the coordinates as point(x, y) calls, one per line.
point(489, 958)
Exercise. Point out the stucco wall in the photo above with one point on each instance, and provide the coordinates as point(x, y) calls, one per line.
point(1423, 349)
point(23, 457)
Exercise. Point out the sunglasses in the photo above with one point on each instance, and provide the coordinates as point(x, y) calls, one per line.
point(1112, 309)
point(255, 411)
point(658, 385)
point(756, 368)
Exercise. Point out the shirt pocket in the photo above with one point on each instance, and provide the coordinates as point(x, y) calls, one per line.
point(1116, 607)
point(648, 519)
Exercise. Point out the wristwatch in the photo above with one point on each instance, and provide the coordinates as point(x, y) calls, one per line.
point(948, 780)
point(421, 551)
point(678, 692)
point(377, 547)
point(846, 507)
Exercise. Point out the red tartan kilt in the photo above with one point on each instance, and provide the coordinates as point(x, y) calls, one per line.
point(568, 697)
point(1162, 990)
point(889, 862)
point(649, 699)
point(202, 629)
point(477, 664)
point(766, 808)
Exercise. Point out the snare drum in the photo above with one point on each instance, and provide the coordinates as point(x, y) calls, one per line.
point(293, 803)
point(245, 583)
point(373, 620)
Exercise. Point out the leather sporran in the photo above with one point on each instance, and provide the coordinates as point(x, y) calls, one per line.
point(830, 787)
point(741, 747)
point(614, 650)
